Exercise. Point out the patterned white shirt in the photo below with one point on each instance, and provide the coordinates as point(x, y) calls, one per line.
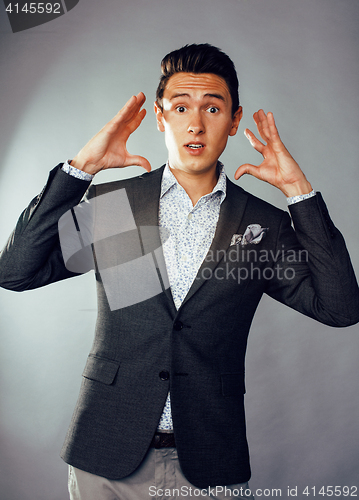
point(191, 229)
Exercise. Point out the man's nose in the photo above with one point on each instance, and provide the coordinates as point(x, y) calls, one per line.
point(196, 125)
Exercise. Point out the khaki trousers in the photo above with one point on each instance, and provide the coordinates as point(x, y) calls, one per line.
point(159, 477)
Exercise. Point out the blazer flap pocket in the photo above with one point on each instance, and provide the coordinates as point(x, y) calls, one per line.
point(232, 384)
point(101, 369)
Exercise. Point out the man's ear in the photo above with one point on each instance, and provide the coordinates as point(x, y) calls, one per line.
point(159, 117)
point(237, 117)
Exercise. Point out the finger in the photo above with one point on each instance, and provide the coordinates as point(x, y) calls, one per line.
point(268, 125)
point(135, 101)
point(140, 161)
point(261, 121)
point(130, 112)
point(136, 121)
point(138, 102)
point(272, 127)
point(255, 143)
point(276, 141)
point(126, 122)
point(130, 109)
point(247, 168)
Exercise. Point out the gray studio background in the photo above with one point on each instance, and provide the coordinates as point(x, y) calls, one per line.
point(60, 82)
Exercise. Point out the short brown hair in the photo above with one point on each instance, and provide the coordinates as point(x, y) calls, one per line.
point(199, 58)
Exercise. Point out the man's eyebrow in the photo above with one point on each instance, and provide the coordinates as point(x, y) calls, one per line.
point(184, 94)
point(217, 96)
point(178, 95)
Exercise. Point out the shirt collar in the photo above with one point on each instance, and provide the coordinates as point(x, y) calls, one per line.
point(169, 180)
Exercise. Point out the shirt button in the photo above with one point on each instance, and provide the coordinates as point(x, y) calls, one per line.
point(164, 375)
point(178, 325)
point(190, 216)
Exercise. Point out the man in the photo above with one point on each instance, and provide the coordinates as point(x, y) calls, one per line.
point(161, 405)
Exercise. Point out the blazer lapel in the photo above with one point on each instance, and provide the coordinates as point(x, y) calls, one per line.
point(145, 200)
point(230, 216)
point(146, 197)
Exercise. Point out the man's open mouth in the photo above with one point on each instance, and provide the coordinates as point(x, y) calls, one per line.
point(194, 146)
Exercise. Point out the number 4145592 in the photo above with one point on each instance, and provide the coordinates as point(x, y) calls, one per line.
point(34, 8)
point(329, 491)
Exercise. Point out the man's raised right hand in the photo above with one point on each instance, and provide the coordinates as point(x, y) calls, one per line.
point(107, 149)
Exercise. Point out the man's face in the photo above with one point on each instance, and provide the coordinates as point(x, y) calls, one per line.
point(197, 120)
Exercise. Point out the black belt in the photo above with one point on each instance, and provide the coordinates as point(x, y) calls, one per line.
point(163, 440)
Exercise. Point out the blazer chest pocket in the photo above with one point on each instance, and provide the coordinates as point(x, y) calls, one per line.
point(101, 369)
point(232, 384)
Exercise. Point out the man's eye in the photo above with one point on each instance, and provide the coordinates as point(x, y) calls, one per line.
point(181, 109)
point(212, 109)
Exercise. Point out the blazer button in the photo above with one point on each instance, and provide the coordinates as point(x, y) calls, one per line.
point(164, 375)
point(178, 325)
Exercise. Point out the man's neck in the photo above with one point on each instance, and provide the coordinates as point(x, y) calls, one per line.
point(198, 184)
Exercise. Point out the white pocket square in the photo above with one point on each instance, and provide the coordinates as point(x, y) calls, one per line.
point(253, 234)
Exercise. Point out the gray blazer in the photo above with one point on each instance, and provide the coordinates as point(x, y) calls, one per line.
point(142, 351)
